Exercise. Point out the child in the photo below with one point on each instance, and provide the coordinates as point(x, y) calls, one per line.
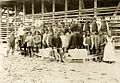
point(28, 40)
point(65, 41)
point(87, 42)
point(37, 41)
point(11, 43)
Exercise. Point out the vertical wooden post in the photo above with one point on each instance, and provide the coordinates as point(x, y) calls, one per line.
point(0, 21)
point(66, 9)
point(95, 8)
point(32, 12)
point(42, 9)
point(7, 19)
point(80, 8)
point(24, 12)
point(53, 10)
point(15, 7)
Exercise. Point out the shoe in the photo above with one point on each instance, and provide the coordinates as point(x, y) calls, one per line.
point(62, 61)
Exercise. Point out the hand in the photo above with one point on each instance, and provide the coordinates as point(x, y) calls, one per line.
point(91, 48)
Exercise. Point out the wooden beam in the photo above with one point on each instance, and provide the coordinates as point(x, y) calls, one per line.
point(116, 11)
point(95, 8)
point(32, 12)
point(23, 12)
point(0, 21)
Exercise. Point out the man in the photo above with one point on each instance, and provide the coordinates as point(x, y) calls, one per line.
point(20, 35)
point(57, 44)
point(86, 26)
point(94, 26)
point(95, 43)
point(45, 36)
point(104, 25)
point(102, 43)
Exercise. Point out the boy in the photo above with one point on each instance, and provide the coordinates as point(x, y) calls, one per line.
point(11, 43)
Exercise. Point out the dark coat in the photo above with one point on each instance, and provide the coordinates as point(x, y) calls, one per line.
point(79, 40)
point(74, 27)
point(76, 41)
point(80, 28)
point(86, 27)
point(94, 26)
point(50, 41)
point(103, 26)
point(102, 40)
point(57, 42)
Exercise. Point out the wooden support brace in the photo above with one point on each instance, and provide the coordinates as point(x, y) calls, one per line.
point(116, 11)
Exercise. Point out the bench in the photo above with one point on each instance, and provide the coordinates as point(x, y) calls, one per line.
point(78, 54)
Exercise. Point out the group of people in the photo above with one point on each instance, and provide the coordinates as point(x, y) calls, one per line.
point(62, 38)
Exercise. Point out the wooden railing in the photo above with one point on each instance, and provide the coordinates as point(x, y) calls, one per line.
point(71, 14)
point(85, 13)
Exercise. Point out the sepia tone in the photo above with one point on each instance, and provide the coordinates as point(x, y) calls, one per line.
point(59, 41)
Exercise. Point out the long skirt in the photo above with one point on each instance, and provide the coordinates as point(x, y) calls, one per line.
point(109, 53)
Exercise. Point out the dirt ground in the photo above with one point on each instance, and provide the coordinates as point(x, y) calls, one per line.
point(19, 69)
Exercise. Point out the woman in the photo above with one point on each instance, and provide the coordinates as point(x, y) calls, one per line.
point(109, 52)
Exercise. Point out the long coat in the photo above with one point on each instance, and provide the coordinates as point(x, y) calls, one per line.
point(76, 40)
point(79, 40)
